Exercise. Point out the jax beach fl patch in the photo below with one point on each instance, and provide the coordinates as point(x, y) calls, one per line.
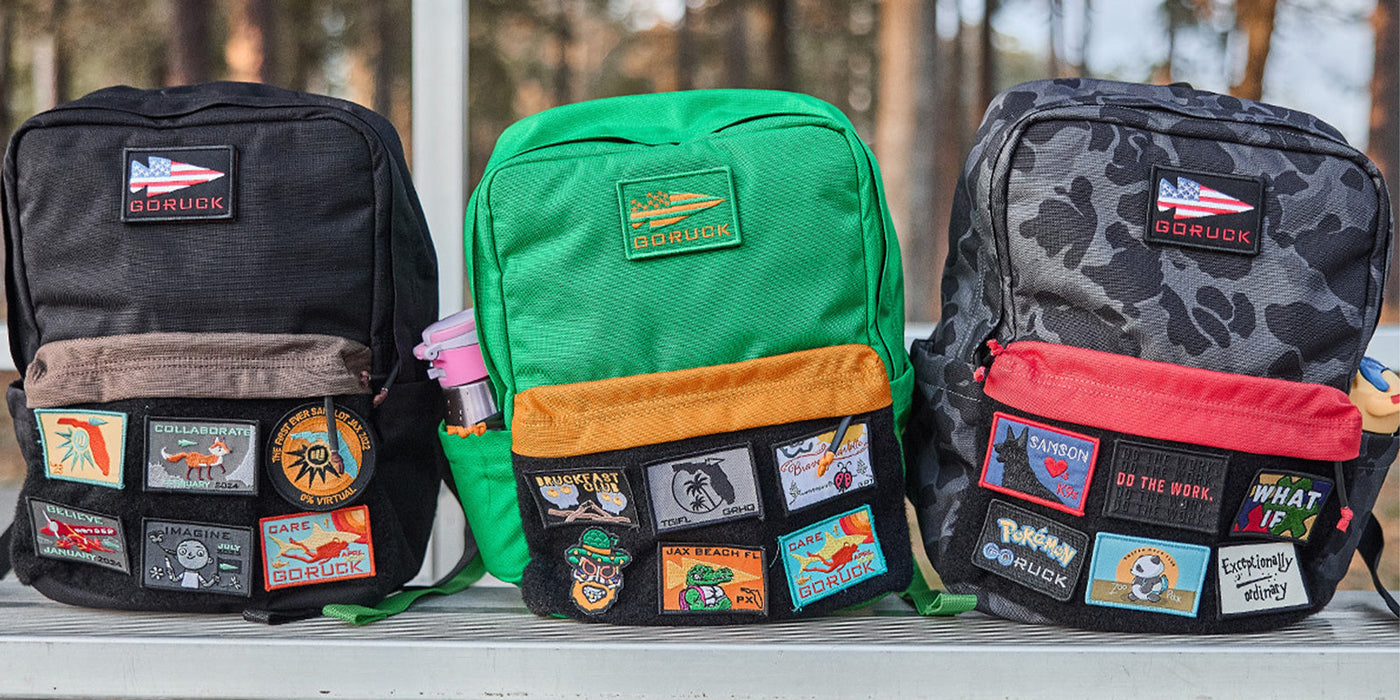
point(831, 556)
point(310, 548)
point(705, 578)
point(1039, 463)
point(807, 481)
point(679, 213)
point(1138, 573)
point(1031, 550)
point(69, 534)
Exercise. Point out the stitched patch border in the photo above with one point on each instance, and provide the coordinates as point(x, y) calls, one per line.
point(1278, 516)
point(161, 197)
point(1030, 550)
point(1140, 573)
point(846, 545)
point(298, 447)
point(1259, 578)
point(161, 472)
point(1163, 493)
point(221, 563)
point(65, 533)
point(95, 453)
point(299, 539)
point(574, 500)
point(855, 468)
point(745, 565)
point(712, 502)
point(1075, 483)
point(660, 222)
point(1194, 226)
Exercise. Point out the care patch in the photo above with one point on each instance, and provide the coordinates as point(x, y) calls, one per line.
point(678, 213)
point(69, 534)
point(308, 548)
point(177, 184)
point(304, 469)
point(197, 558)
point(1138, 573)
point(202, 456)
point(806, 481)
point(705, 578)
point(1206, 210)
point(831, 556)
point(1166, 486)
point(703, 489)
point(84, 446)
point(1031, 550)
point(578, 497)
point(1259, 578)
point(1039, 463)
point(596, 564)
point(1282, 505)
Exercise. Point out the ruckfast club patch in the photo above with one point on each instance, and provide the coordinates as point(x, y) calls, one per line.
point(806, 481)
point(202, 456)
point(1282, 505)
point(1031, 550)
point(197, 558)
point(1259, 578)
point(1137, 573)
point(580, 496)
point(84, 446)
point(1039, 463)
point(307, 470)
point(310, 548)
point(1166, 486)
point(679, 213)
point(69, 534)
point(178, 184)
point(703, 489)
point(1213, 211)
point(705, 578)
point(831, 556)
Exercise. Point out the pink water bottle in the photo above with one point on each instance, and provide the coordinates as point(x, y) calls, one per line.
point(451, 346)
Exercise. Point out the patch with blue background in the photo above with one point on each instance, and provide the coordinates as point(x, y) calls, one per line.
point(1039, 463)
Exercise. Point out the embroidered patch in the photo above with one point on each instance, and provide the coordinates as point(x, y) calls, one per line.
point(1282, 505)
point(577, 497)
point(69, 534)
point(202, 456)
point(1138, 573)
point(703, 489)
point(705, 578)
point(308, 548)
point(178, 184)
point(306, 471)
point(807, 481)
point(1259, 578)
point(1206, 210)
point(85, 446)
point(1166, 486)
point(597, 562)
point(1039, 463)
point(197, 558)
point(1031, 550)
point(678, 213)
point(831, 556)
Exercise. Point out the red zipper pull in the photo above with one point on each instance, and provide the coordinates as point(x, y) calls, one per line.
point(1345, 521)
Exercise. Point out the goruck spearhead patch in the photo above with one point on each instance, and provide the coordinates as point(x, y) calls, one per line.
point(177, 184)
point(678, 213)
point(1206, 210)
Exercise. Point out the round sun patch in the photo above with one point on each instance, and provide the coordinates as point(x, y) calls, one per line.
point(311, 472)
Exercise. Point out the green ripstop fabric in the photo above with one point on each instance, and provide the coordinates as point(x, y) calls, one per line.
point(481, 468)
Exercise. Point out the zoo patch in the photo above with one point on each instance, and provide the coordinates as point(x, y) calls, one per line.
point(703, 578)
point(1039, 463)
point(806, 481)
point(302, 467)
point(1206, 210)
point(197, 558)
point(679, 213)
point(831, 556)
point(577, 497)
point(1138, 573)
point(1282, 505)
point(1166, 486)
point(702, 489)
point(84, 446)
point(69, 534)
point(1259, 578)
point(307, 548)
point(177, 184)
point(202, 456)
point(1031, 550)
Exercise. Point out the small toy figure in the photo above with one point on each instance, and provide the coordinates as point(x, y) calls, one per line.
point(1375, 390)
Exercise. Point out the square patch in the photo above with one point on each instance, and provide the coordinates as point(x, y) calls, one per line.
point(1213, 211)
point(1039, 463)
point(707, 578)
point(583, 496)
point(177, 184)
point(1282, 505)
point(831, 556)
point(807, 482)
point(1260, 578)
point(1031, 550)
point(202, 456)
point(1166, 486)
point(69, 534)
point(197, 558)
point(1138, 573)
point(309, 548)
point(703, 489)
point(84, 446)
point(679, 213)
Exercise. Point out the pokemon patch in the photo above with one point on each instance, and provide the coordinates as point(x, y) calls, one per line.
point(704, 578)
point(1031, 550)
point(313, 471)
point(831, 556)
point(69, 534)
point(1138, 573)
point(197, 558)
point(1259, 578)
point(202, 456)
point(309, 548)
point(188, 183)
point(579, 497)
point(807, 479)
point(703, 489)
point(596, 564)
point(83, 446)
point(1039, 463)
point(1166, 486)
point(1282, 505)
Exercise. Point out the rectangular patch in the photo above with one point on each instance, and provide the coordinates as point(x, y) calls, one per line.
point(831, 556)
point(1259, 578)
point(1138, 573)
point(703, 489)
point(202, 456)
point(1166, 486)
point(1031, 550)
point(583, 496)
point(310, 548)
point(177, 184)
point(83, 446)
point(1206, 210)
point(1039, 463)
point(710, 578)
point(197, 558)
point(69, 534)
point(1282, 505)
point(679, 213)
point(807, 482)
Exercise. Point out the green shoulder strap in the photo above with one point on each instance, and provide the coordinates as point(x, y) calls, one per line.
point(455, 582)
point(928, 602)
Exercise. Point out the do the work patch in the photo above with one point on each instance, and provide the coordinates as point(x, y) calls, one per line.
point(1166, 486)
point(1213, 211)
point(807, 481)
point(202, 456)
point(178, 184)
point(69, 534)
point(703, 489)
point(197, 558)
point(313, 471)
point(1259, 578)
point(1039, 463)
point(308, 548)
point(85, 446)
point(831, 556)
point(1031, 550)
point(704, 578)
point(1138, 573)
point(1282, 505)
point(579, 496)
point(679, 213)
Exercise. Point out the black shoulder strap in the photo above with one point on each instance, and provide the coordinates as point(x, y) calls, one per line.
point(1372, 542)
point(5, 549)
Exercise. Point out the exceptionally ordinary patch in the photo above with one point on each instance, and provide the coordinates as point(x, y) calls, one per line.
point(1166, 486)
point(202, 456)
point(1138, 573)
point(1259, 578)
point(1206, 210)
point(85, 446)
point(304, 468)
point(706, 578)
point(178, 184)
point(69, 534)
point(581, 496)
point(703, 489)
point(1039, 463)
point(308, 548)
point(197, 558)
point(1031, 550)
point(678, 213)
point(831, 556)
point(596, 564)
point(1282, 505)
point(807, 481)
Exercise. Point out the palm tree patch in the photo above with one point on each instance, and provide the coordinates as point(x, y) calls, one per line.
point(702, 489)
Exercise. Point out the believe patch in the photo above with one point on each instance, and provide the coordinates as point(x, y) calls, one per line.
point(1031, 550)
point(69, 534)
point(703, 489)
point(177, 184)
point(1282, 505)
point(1166, 486)
point(197, 558)
point(1206, 210)
point(1259, 578)
point(1138, 573)
point(706, 578)
point(308, 548)
point(679, 213)
point(831, 556)
point(202, 456)
point(84, 446)
point(1039, 463)
point(806, 481)
point(578, 497)
point(304, 467)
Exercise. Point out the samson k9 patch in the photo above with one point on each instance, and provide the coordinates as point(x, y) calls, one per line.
point(1031, 550)
point(1206, 210)
point(1040, 463)
point(1166, 486)
point(178, 184)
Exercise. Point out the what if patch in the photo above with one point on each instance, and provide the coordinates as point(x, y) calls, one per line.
point(703, 489)
point(1039, 463)
point(1166, 486)
point(1137, 573)
point(310, 548)
point(680, 213)
point(83, 446)
point(583, 496)
point(831, 556)
point(197, 558)
point(202, 456)
point(1282, 505)
point(703, 578)
point(1206, 210)
point(1031, 550)
point(308, 470)
point(69, 534)
point(806, 481)
point(1260, 578)
point(178, 184)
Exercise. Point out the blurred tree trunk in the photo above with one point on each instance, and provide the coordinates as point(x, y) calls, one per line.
point(300, 58)
point(250, 46)
point(1056, 27)
point(1256, 18)
point(779, 44)
point(49, 65)
point(1084, 33)
point(736, 53)
point(685, 49)
point(7, 35)
point(929, 250)
point(986, 59)
point(896, 113)
point(189, 42)
point(564, 38)
point(1384, 144)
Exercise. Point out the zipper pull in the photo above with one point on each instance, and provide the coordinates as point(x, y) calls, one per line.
point(333, 436)
point(825, 462)
point(384, 390)
point(1345, 521)
point(994, 349)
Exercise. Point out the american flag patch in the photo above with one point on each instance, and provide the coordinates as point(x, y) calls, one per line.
point(178, 183)
point(1215, 211)
point(163, 175)
point(1192, 200)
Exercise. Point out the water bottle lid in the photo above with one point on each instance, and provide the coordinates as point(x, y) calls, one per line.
point(452, 348)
